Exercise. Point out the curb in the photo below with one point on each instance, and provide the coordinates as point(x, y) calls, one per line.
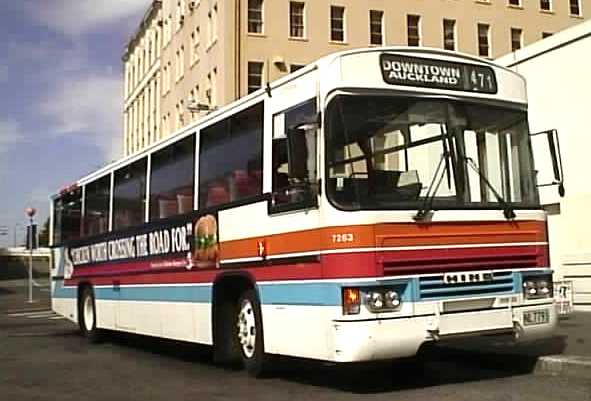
point(564, 365)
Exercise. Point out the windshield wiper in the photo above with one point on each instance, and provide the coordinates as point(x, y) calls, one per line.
point(426, 208)
point(507, 209)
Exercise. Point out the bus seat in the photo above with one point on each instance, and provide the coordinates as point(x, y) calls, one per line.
point(241, 184)
point(184, 203)
point(217, 194)
point(166, 207)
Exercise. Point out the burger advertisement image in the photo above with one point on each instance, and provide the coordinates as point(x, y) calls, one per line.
point(205, 244)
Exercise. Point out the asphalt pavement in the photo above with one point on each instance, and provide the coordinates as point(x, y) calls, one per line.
point(42, 357)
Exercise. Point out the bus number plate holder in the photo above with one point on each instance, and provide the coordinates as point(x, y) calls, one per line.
point(534, 317)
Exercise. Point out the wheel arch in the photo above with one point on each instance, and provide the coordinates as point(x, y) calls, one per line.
point(226, 291)
point(82, 285)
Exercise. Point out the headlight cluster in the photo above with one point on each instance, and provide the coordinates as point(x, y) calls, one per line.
point(535, 287)
point(377, 300)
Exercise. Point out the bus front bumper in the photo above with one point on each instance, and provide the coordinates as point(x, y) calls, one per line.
point(400, 337)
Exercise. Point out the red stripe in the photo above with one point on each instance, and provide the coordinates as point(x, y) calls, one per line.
point(350, 265)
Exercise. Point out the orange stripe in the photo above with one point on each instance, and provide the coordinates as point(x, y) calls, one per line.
point(387, 235)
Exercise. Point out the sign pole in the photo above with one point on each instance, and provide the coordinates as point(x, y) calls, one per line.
point(30, 212)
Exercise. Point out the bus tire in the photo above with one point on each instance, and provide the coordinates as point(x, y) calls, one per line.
point(87, 315)
point(250, 334)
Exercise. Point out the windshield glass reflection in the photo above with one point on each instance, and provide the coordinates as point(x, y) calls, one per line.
point(384, 152)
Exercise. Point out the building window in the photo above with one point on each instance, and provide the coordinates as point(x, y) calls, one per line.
point(296, 19)
point(376, 27)
point(546, 35)
point(180, 63)
point(483, 40)
point(516, 3)
point(546, 5)
point(255, 16)
point(210, 92)
point(575, 7)
point(255, 76)
point(180, 14)
point(212, 16)
point(337, 24)
point(516, 39)
point(295, 67)
point(168, 29)
point(195, 41)
point(413, 30)
point(449, 34)
point(180, 121)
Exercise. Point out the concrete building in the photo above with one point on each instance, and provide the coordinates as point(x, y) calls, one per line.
point(559, 87)
point(142, 92)
point(210, 52)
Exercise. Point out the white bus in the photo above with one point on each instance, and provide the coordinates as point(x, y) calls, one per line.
point(373, 201)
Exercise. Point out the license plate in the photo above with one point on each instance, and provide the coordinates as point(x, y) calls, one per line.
point(536, 317)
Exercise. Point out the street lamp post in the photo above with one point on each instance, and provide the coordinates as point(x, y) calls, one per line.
point(30, 211)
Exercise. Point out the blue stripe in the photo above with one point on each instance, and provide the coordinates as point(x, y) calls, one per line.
point(320, 294)
point(59, 291)
point(303, 293)
point(189, 293)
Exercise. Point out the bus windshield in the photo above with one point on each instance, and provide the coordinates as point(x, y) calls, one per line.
point(389, 152)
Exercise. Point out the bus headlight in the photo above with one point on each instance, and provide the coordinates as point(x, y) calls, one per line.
point(392, 299)
point(380, 300)
point(539, 286)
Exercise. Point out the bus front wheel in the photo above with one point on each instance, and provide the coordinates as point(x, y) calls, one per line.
point(250, 334)
point(87, 315)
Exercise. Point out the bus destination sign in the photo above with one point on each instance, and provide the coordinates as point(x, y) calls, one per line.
point(421, 72)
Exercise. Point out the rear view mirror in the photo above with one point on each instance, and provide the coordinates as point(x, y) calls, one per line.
point(548, 143)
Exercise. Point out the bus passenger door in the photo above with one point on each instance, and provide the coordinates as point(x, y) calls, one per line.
point(295, 246)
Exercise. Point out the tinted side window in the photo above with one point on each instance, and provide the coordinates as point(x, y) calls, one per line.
point(172, 179)
point(129, 195)
point(67, 220)
point(231, 158)
point(96, 206)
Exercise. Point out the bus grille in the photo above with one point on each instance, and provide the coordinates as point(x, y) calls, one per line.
point(433, 287)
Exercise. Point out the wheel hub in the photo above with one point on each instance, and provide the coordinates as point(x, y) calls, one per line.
point(88, 314)
point(247, 328)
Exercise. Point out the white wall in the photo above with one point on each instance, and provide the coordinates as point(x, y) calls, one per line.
point(558, 75)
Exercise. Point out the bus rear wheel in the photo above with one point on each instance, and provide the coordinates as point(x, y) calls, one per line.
point(87, 315)
point(250, 335)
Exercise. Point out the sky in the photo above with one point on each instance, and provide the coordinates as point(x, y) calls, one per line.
point(61, 97)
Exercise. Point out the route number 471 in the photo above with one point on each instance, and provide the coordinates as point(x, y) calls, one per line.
point(481, 80)
point(345, 237)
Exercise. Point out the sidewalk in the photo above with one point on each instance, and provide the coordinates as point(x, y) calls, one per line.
point(567, 353)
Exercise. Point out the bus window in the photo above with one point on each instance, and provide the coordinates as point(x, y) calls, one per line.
point(96, 206)
point(67, 219)
point(129, 195)
point(231, 158)
point(294, 172)
point(172, 179)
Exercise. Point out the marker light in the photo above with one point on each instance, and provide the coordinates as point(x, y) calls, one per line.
point(351, 301)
